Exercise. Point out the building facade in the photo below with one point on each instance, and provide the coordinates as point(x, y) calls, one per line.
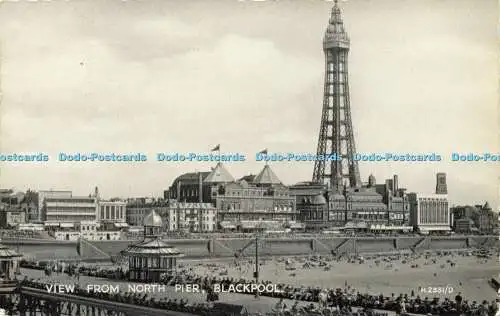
point(254, 202)
point(12, 217)
point(68, 211)
point(441, 186)
point(191, 188)
point(429, 213)
point(239, 203)
point(136, 212)
point(190, 217)
point(112, 211)
point(383, 205)
point(487, 220)
point(464, 226)
point(49, 194)
point(177, 216)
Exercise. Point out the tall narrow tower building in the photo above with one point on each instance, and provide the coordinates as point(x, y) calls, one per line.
point(441, 187)
point(336, 136)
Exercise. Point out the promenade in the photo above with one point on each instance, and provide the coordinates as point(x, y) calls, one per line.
point(368, 276)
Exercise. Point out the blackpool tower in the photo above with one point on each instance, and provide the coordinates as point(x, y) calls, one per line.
point(336, 137)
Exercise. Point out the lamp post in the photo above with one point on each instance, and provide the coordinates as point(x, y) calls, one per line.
point(256, 273)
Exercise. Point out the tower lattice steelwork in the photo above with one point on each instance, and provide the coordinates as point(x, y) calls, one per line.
point(336, 137)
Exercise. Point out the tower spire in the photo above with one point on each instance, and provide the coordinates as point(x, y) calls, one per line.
point(335, 35)
point(336, 136)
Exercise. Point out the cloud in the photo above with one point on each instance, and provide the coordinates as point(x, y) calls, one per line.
point(154, 76)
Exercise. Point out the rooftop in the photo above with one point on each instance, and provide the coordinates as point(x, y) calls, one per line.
point(266, 176)
point(153, 220)
point(153, 247)
point(219, 175)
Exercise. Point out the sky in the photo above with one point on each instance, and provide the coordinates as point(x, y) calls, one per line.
point(157, 76)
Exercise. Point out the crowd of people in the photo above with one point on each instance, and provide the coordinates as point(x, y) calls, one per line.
point(347, 298)
point(204, 309)
point(136, 299)
point(341, 300)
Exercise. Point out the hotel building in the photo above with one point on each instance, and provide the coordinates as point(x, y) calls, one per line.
point(254, 202)
point(49, 194)
point(429, 213)
point(369, 207)
point(176, 216)
point(66, 212)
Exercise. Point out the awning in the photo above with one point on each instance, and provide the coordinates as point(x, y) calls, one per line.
point(297, 225)
point(52, 224)
point(384, 227)
point(227, 225)
point(67, 225)
point(248, 225)
point(121, 225)
point(435, 228)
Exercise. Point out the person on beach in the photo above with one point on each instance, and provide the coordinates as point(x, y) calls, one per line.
point(458, 298)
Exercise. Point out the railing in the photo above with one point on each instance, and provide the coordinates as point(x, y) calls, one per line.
point(100, 303)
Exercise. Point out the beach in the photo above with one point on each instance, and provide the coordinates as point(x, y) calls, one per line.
point(469, 275)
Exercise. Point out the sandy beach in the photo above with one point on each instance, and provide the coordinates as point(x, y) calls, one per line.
point(469, 275)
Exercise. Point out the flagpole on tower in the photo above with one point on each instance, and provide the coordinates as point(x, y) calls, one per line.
point(217, 149)
point(264, 152)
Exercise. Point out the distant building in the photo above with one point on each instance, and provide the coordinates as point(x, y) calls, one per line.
point(191, 188)
point(429, 213)
point(49, 194)
point(11, 198)
point(385, 205)
point(464, 226)
point(260, 202)
point(239, 203)
point(68, 211)
point(136, 212)
point(177, 216)
point(112, 211)
point(312, 207)
point(12, 217)
point(396, 201)
point(482, 217)
point(190, 217)
point(30, 206)
point(465, 215)
point(441, 186)
point(487, 219)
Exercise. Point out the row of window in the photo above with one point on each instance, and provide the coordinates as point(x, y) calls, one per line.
point(69, 209)
point(153, 262)
point(112, 212)
point(70, 218)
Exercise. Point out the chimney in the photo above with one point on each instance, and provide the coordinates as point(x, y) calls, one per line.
point(200, 187)
point(395, 184)
point(179, 191)
point(389, 185)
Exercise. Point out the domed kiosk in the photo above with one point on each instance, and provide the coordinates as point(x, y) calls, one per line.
point(152, 258)
point(9, 263)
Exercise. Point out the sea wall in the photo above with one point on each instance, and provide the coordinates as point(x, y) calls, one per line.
point(45, 251)
point(229, 247)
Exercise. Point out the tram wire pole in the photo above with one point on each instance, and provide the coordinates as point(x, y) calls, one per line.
point(256, 274)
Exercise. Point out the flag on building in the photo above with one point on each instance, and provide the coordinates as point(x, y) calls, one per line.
point(216, 148)
point(263, 152)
